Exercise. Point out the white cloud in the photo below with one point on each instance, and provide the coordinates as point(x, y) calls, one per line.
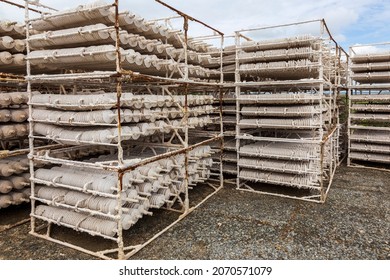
point(229, 16)
point(364, 49)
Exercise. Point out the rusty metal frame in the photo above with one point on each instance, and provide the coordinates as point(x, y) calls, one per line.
point(121, 78)
point(319, 84)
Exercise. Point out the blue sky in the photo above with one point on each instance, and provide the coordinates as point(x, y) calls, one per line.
point(350, 21)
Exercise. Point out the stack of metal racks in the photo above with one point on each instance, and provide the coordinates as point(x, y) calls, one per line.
point(286, 108)
point(369, 105)
point(135, 88)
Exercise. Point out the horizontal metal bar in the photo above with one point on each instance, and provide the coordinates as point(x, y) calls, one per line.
point(76, 209)
point(167, 155)
point(276, 26)
point(75, 141)
point(23, 7)
point(290, 83)
point(282, 195)
point(67, 244)
point(74, 228)
point(285, 157)
point(300, 172)
point(369, 127)
point(311, 187)
point(6, 153)
point(71, 77)
point(368, 86)
point(189, 17)
point(279, 139)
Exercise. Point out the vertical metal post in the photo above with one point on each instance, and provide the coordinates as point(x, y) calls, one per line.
point(349, 95)
point(337, 104)
point(221, 112)
point(222, 133)
point(48, 230)
point(117, 41)
point(331, 154)
point(321, 77)
point(118, 82)
point(186, 115)
point(186, 155)
point(221, 58)
point(322, 171)
point(336, 147)
point(237, 79)
point(185, 27)
point(31, 126)
point(121, 253)
point(321, 129)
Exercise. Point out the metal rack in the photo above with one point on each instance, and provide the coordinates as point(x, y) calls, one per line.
point(286, 90)
point(369, 106)
point(14, 174)
point(229, 154)
point(14, 184)
point(106, 196)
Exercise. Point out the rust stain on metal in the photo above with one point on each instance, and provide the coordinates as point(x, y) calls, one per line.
point(120, 178)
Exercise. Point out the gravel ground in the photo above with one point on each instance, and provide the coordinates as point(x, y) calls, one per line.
point(354, 223)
